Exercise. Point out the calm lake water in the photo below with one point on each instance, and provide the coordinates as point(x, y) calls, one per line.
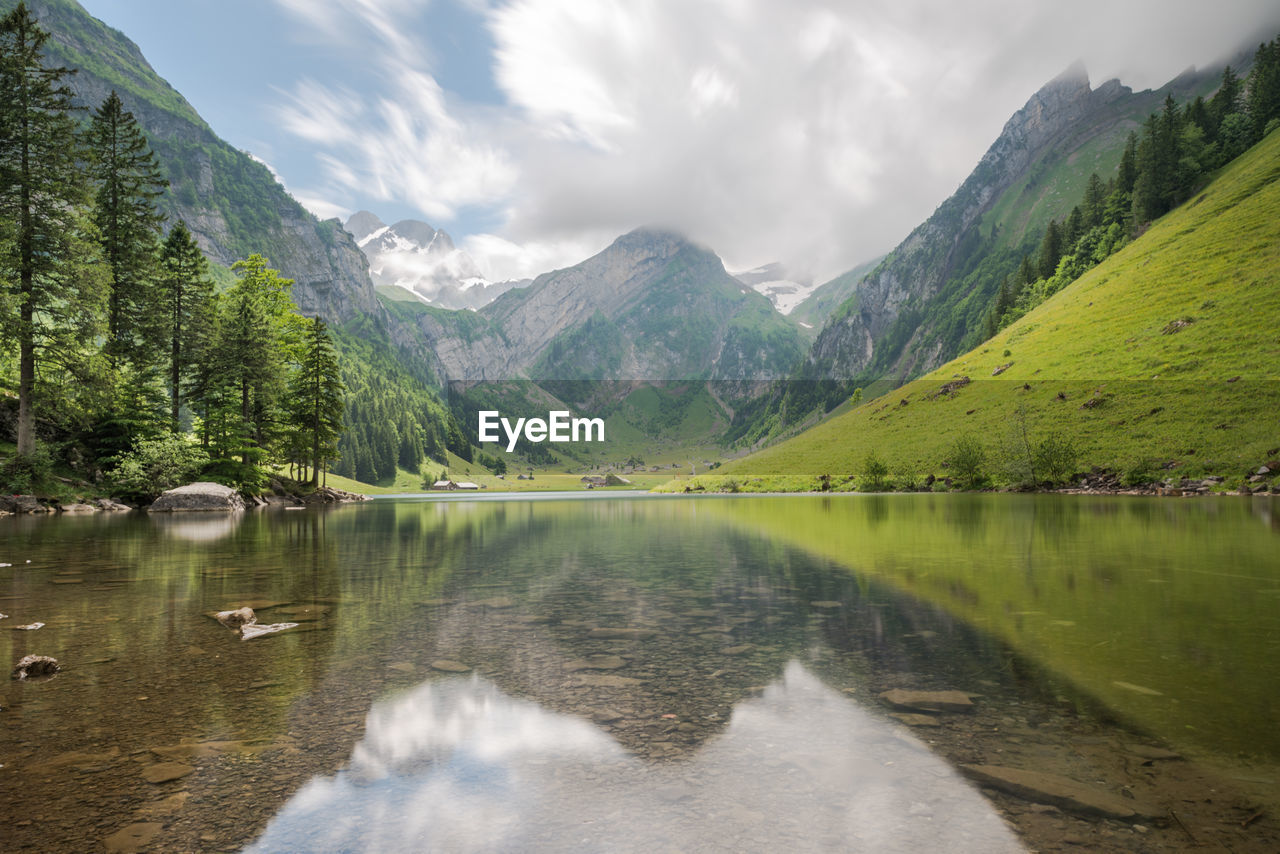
point(639, 673)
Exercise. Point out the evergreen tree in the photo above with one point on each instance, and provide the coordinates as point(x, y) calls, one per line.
point(316, 394)
point(129, 182)
point(259, 333)
point(1127, 173)
point(1264, 87)
point(187, 295)
point(1050, 250)
point(1226, 100)
point(1093, 206)
point(1072, 229)
point(42, 194)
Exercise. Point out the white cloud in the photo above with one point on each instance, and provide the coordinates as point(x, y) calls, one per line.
point(500, 259)
point(815, 132)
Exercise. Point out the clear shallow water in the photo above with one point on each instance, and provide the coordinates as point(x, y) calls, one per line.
point(736, 710)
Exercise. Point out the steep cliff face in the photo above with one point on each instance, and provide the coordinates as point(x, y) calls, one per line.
point(231, 202)
point(922, 263)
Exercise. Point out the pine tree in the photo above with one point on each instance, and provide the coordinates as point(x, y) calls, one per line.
point(1127, 173)
point(1226, 100)
point(1050, 250)
point(42, 196)
point(129, 182)
point(316, 394)
point(1264, 87)
point(187, 295)
point(1093, 205)
point(259, 332)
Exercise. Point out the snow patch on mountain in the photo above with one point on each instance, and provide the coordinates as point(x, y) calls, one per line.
point(781, 288)
point(423, 260)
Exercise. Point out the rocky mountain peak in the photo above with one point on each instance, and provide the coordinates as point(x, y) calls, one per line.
point(653, 242)
point(362, 224)
point(1059, 103)
point(418, 232)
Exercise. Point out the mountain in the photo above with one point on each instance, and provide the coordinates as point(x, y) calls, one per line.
point(231, 202)
point(818, 305)
point(1157, 364)
point(651, 334)
point(415, 257)
point(651, 306)
point(925, 302)
point(773, 282)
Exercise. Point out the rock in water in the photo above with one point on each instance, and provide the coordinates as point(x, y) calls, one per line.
point(928, 701)
point(133, 838)
point(447, 666)
point(35, 665)
point(1062, 792)
point(165, 772)
point(237, 618)
point(198, 496)
point(250, 631)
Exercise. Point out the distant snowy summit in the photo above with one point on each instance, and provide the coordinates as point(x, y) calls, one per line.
point(774, 282)
point(422, 260)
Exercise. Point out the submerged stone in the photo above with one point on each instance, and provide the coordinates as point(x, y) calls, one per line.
point(607, 680)
point(928, 701)
point(1059, 791)
point(1150, 753)
point(257, 630)
point(165, 772)
point(32, 666)
point(911, 719)
point(596, 662)
point(133, 838)
point(447, 666)
point(618, 633)
point(237, 618)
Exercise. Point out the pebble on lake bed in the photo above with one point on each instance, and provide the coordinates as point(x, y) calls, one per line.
point(35, 665)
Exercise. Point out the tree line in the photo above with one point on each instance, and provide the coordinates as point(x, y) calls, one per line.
point(1159, 169)
point(115, 343)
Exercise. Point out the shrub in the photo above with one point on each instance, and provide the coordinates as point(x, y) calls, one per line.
point(154, 465)
point(874, 472)
point(967, 459)
point(1056, 457)
point(907, 477)
point(1139, 473)
point(24, 473)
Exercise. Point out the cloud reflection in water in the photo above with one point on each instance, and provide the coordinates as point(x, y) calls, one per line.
point(458, 766)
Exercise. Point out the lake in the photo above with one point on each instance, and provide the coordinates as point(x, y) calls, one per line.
point(648, 673)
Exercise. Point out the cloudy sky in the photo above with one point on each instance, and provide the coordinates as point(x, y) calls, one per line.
point(812, 132)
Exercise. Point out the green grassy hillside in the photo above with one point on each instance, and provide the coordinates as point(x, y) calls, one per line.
point(1167, 354)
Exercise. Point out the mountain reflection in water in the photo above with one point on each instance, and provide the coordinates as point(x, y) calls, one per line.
point(457, 765)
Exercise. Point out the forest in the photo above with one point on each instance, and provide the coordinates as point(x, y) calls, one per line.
point(119, 359)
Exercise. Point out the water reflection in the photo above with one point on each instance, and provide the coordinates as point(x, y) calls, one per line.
point(197, 527)
point(457, 765)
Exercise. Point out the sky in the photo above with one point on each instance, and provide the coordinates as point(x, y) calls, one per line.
point(816, 133)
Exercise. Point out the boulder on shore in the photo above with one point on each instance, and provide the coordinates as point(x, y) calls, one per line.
point(23, 504)
point(198, 496)
point(331, 495)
